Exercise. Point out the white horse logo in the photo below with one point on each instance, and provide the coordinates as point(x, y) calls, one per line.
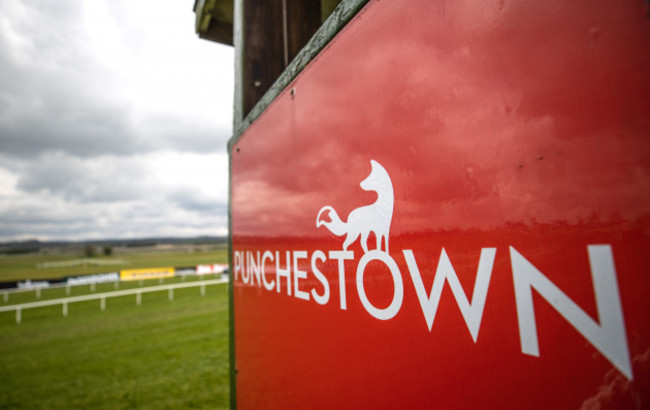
point(375, 217)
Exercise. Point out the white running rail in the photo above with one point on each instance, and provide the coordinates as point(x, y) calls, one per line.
point(103, 296)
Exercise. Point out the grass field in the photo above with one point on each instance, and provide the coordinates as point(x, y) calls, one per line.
point(18, 267)
point(161, 354)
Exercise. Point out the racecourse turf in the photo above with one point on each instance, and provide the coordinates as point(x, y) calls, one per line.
point(159, 355)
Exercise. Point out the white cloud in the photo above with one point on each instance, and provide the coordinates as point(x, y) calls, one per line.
point(162, 193)
point(114, 117)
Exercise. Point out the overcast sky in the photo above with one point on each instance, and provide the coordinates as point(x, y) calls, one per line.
point(114, 118)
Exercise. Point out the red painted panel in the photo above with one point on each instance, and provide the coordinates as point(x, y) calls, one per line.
point(516, 129)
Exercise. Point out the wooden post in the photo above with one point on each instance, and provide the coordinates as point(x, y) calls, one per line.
point(302, 21)
point(264, 49)
point(273, 34)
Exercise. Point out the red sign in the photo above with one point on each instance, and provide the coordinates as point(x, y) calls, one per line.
point(451, 209)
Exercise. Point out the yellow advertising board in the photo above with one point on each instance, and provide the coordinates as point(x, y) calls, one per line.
point(146, 273)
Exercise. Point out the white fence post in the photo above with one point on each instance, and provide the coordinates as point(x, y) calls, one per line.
point(67, 289)
point(116, 285)
point(18, 308)
point(92, 286)
point(38, 293)
point(6, 296)
point(140, 283)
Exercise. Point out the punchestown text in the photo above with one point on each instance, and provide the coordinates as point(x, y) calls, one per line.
point(280, 271)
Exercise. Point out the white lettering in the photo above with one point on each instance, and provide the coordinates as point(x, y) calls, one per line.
point(342, 256)
point(398, 290)
point(246, 267)
point(472, 311)
point(325, 297)
point(254, 265)
point(267, 285)
point(238, 267)
point(299, 274)
point(283, 272)
point(608, 338)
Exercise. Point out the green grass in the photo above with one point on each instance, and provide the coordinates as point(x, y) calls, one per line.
point(19, 267)
point(161, 354)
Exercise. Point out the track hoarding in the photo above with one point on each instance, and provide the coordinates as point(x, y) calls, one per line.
point(450, 207)
point(146, 273)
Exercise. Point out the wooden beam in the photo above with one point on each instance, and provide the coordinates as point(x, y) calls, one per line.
point(274, 31)
point(303, 19)
point(263, 48)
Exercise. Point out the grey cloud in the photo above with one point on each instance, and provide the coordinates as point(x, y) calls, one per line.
point(54, 96)
point(105, 179)
point(64, 219)
point(193, 201)
point(80, 122)
point(37, 230)
point(175, 133)
point(45, 216)
point(51, 96)
point(80, 132)
point(39, 216)
point(80, 138)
